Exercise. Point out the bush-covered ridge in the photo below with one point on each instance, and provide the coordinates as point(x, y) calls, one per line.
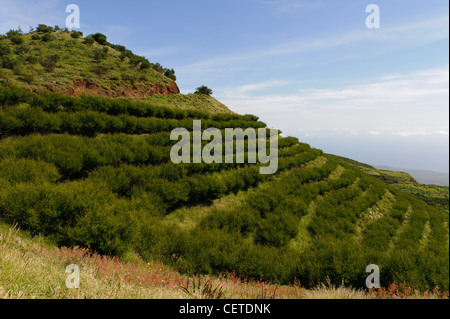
point(55, 59)
point(431, 194)
point(56, 103)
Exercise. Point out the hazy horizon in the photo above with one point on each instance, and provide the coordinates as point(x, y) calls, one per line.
point(376, 151)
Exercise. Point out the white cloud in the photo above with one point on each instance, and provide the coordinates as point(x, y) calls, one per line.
point(408, 104)
point(400, 91)
point(244, 90)
point(281, 7)
point(423, 132)
point(386, 38)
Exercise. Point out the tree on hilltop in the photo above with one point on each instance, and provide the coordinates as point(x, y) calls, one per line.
point(204, 90)
point(100, 38)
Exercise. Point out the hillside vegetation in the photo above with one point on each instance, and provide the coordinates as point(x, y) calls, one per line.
point(432, 194)
point(388, 176)
point(83, 176)
point(62, 61)
point(67, 63)
point(95, 172)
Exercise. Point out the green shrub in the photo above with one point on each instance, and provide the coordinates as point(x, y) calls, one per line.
point(126, 54)
point(49, 62)
point(204, 90)
point(276, 229)
point(47, 37)
point(100, 53)
point(99, 69)
point(9, 61)
point(378, 234)
point(4, 48)
point(70, 213)
point(145, 65)
point(95, 171)
point(129, 78)
point(22, 48)
point(100, 38)
point(44, 28)
point(31, 59)
point(170, 73)
point(27, 77)
point(158, 67)
point(13, 33)
point(135, 60)
point(22, 170)
point(118, 47)
point(89, 40)
point(76, 34)
point(16, 39)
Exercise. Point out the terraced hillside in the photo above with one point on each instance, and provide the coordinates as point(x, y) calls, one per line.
point(96, 172)
point(85, 148)
point(432, 194)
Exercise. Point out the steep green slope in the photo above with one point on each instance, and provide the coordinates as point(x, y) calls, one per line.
point(200, 102)
point(63, 61)
point(390, 177)
point(432, 194)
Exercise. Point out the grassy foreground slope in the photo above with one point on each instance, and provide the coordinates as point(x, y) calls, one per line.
point(32, 267)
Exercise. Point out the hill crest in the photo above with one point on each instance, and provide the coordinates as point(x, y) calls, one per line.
point(56, 60)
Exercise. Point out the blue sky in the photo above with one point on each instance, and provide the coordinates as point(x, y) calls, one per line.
point(308, 67)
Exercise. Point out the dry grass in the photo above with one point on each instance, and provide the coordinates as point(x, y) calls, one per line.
point(34, 268)
point(31, 268)
point(328, 291)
